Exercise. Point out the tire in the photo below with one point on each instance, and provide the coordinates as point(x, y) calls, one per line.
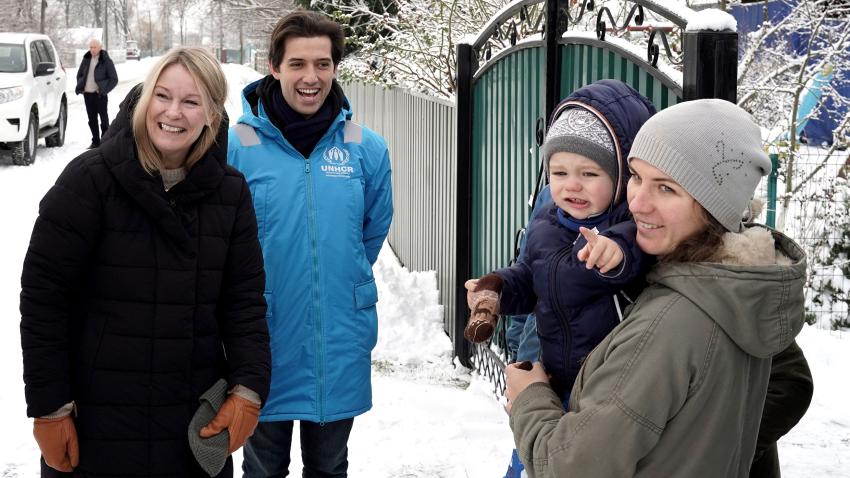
point(23, 153)
point(57, 139)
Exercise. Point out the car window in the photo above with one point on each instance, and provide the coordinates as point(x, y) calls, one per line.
point(46, 51)
point(35, 55)
point(12, 58)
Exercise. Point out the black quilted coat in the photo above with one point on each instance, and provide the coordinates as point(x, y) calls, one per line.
point(135, 300)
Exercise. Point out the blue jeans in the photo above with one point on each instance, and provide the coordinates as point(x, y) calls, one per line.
point(529, 344)
point(324, 449)
point(522, 340)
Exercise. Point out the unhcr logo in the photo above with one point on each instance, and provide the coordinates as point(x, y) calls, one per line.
point(336, 159)
point(336, 156)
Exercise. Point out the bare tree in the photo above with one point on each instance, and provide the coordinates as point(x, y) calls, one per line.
point(774, 79)
point(121, 12)
point(17, 15)
point(182, 7)
point(96, 8)
point(410, 43)
point(43, 11)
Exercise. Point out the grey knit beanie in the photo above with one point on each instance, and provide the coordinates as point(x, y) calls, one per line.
point(211, 453)
point(577, 130)
point(712, 148)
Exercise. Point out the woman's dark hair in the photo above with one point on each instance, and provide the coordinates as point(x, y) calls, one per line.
point(305, 24)
point(703, 247)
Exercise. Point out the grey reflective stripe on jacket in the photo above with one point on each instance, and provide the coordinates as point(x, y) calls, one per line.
point(247, 135)
point(352, 133)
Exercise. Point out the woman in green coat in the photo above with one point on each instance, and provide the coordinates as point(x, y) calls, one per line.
point(678, 388)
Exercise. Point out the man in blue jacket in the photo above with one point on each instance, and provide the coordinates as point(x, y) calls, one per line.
point(322, 194)
point(96, 77)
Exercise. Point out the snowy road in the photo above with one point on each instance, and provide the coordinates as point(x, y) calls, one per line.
point(429, 419)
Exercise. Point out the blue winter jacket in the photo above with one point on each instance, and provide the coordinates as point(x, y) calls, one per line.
point(575, 307)
point(322, 221)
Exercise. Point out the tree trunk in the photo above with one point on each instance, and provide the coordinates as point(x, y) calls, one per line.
point(223, 55)
point(98, 17)
point(150, 32)
point(106, 25)
point(43, 8)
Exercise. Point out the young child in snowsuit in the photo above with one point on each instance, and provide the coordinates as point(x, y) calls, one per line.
point(581, 249)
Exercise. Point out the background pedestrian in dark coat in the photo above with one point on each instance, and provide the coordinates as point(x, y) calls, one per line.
point(96, 77)
point(143, 285)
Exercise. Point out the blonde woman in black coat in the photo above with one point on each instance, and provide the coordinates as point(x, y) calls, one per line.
point(143, 285)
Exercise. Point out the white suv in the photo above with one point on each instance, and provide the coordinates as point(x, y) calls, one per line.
point(32, 95)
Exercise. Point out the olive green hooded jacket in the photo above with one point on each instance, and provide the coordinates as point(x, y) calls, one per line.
point(677, 389)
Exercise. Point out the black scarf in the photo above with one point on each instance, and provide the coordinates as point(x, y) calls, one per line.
point(302, 133)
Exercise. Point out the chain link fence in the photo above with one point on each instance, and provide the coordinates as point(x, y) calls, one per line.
point(813, 208)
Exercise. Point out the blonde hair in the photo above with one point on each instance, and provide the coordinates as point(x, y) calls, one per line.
point(212, 85)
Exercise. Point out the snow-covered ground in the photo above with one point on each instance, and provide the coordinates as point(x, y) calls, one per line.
point(430, 418)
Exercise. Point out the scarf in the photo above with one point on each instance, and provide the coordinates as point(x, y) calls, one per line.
point(573, 224)
point(302, 133)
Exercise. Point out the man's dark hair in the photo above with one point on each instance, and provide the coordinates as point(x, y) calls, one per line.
point(305, 24)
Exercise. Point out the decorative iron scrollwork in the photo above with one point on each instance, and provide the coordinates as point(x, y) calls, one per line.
point(509, 28)
point(566, 19)
point(527, 18)
point(636, 17)
point(602, 27)
point(652, 50)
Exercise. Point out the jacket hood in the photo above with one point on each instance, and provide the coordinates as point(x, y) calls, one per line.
point(622, 110)
point(755, 294)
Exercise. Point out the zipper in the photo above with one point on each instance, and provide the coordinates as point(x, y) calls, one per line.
point(556, 306)
point(317, 313)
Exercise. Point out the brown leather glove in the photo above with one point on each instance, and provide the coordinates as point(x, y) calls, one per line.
point(483, 299)
point(57, 439)
point(239, 416)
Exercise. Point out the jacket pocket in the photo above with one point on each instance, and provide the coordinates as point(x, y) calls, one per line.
point(365, 294)
point(365, 298)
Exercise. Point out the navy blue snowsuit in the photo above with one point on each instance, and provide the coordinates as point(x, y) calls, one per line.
point(575, 307)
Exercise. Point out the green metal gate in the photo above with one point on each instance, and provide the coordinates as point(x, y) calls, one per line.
point(504, 102)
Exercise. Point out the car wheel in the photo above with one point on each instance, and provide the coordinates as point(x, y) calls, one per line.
point(23, 153)
point(57, 139)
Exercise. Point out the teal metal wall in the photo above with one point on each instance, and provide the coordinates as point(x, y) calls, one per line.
point(507, 100)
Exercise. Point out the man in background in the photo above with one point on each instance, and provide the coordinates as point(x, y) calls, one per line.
point(96, 77)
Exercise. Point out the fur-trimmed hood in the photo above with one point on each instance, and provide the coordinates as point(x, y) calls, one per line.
point(754, 292)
